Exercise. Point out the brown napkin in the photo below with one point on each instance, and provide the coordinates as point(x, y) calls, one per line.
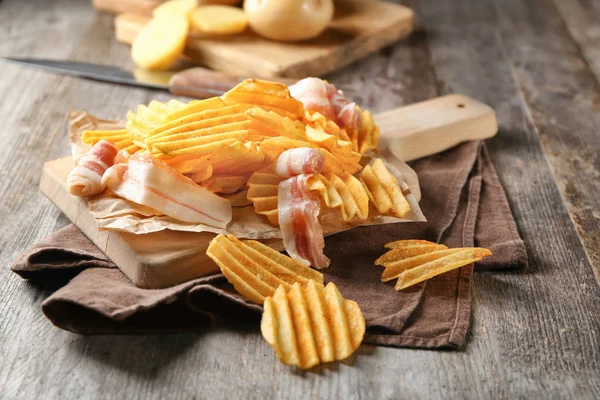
point(461, 197)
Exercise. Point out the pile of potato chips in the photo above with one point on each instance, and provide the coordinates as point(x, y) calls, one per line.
point(229, 145)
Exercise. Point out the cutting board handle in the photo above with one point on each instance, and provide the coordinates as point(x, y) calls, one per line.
point(432, 126)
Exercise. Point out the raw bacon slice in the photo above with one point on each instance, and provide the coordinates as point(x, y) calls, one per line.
point(319, 96)
point(301, 231)
point(150, 182)
point(299, 160)
point(86, 178)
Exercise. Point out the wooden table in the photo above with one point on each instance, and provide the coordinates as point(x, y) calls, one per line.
point(535, 334)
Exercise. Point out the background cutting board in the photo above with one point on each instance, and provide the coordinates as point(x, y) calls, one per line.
point(167, 258)
point(359, 28)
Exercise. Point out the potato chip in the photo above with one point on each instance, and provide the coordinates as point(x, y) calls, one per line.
point(147, 118)
point(383, 189)
point(319, 121)
point(453, 261)
point(255, 270)
point(195, 107)
point(244, 161)
point(401, 253)
point(367, 136)
point(346, 192)
point(200, 133)
point(181, 146)
point(93, 137)
point(192, 165)
point(311, 324)
point(201, 175)
point(264, 93)
point(200, 149)
point(275, 124)
point(263, 188)
point(225, 184)
point(406, 243)
point(159, 133)
point(413, 261)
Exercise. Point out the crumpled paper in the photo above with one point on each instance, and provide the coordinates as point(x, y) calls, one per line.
point(114, 213)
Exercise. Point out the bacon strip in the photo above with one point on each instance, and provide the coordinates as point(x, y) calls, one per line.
point(150, 182)
point(300, 160)
point(86, 178)
point(301, 231)
point(319, 96)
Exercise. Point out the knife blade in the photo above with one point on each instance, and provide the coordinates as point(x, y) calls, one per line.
point(195, 82)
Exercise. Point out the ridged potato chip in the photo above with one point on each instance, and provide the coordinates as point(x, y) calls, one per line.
point(345, 192)
point(414, 261)
point(225, 184)
point(383, 189)
point(194, 107)
point(311, 324)
point(275, 96)
point(256, 270)
point(263, 188)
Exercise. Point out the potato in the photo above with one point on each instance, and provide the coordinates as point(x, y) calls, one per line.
point(181, 7)
point(160, 42)
point(289, 20)
point(218, 20)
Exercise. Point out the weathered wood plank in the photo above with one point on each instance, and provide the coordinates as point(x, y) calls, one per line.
point(582, 19)
point(533, 333)
point(538, 323)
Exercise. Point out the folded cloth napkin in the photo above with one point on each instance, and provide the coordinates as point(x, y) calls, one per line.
point(461, 197)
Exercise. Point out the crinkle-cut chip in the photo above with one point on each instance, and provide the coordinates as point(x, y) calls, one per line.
point(191, 164)
point(200, 175)
point(368, 134)
point(273, 124)
point(171, 147)
point(122, 144)
point(93, 137)
point(265, 93)
point(464, 256)
point(197, 127)
point(263, 187)
point(404, 252)
point(198, 150)
point(241, 163)
point(345, 192)
point(147, 118)
point(201, 134)
point(310, 324)
point(132, 149)
point(195, 106)
point(406, 243)
point(319, 121)
point(254, 271)
point(395, 268)
point(383, 189)
point(225, 184)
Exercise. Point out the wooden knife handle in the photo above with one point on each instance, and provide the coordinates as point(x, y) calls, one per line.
point(202, 83)
point(432, 126)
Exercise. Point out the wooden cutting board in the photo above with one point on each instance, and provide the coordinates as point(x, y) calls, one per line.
point(359, 28)
point(166, 258)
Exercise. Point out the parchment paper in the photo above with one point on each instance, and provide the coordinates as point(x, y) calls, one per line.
point(114, 213)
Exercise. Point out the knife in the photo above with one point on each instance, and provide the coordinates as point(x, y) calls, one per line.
point(194, 82)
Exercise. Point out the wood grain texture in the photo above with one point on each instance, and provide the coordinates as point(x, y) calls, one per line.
point(359, 28)
point(534, 333)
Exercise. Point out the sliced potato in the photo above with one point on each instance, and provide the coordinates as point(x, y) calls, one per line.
point(178, 7)
point(160, 42)
point(218, 20)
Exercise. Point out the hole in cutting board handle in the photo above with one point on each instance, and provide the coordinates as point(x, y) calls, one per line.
point(460, 105)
